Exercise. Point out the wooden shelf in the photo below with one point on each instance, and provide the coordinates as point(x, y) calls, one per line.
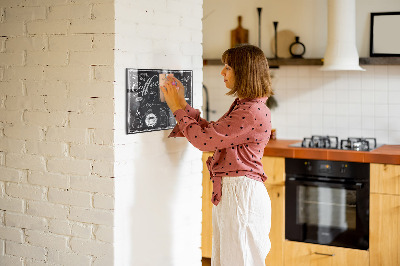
point(380, 61)
point(274, 63)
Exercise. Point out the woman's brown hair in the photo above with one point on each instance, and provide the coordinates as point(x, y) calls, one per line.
point(250, 66)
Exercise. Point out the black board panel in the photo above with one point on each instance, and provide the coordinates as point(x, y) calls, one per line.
point(146, 109)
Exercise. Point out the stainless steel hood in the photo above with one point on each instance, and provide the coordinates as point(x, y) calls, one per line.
point(341, 51)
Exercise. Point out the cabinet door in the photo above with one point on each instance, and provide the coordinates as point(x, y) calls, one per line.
point(274, 168)
point(206, 226)
point(277, 233)
point(385, 178)
point(304, 254)
point(384, 230)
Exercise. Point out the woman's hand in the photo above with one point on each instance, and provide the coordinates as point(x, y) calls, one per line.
point(181, 90)
point(173, 91)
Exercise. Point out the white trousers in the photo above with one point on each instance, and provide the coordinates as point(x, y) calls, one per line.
point(241, 223)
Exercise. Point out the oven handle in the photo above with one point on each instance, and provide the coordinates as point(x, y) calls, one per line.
point(357, 185)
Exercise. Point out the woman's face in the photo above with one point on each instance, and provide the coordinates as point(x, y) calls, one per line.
point(229, 76)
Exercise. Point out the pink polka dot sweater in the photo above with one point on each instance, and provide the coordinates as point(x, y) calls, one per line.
point(238, 139)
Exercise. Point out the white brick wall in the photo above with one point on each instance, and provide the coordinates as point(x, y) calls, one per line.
point(56, 132)
point(156, 177)
point(25, 221)
point(62, 138)
point(68, 258)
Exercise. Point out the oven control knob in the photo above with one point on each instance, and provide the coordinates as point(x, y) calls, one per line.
point(308, 166)
point(343, 168)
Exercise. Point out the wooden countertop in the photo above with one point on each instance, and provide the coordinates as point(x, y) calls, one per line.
point(389, 154)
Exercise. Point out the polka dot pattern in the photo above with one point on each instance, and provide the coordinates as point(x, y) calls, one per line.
point(238, 139)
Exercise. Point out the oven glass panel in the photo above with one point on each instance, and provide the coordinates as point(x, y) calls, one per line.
point(326, 207)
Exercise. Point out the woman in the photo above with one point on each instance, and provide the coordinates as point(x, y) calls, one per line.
point(242, 208)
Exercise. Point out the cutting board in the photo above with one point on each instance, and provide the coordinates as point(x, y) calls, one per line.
point(239, 35)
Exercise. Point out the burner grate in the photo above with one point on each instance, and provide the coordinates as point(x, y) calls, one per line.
point(327, 142)
point(358, 144)
point(332, 142)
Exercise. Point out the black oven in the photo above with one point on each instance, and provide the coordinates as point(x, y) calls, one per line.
point(327, 202)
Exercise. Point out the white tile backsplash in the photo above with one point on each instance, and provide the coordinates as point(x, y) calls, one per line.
point(343, 103)
point(342, 123)
point(355, 96)
point(381, 97)
point(292, 82)
point(393, 71)
point(394, 110)
point(394, 96)
point(291, 71)
point(394, 82)
point(394, 124)
point(381, 71)
point(343, 96)
point(354, 83)
point(382, 136)
point(367, 110)
point(329, 109)
point(382, 110)
point(342, 109)
point(367, 123)
point(367, 83)
point(304, 82)
point(381, 83)
point(367, 96)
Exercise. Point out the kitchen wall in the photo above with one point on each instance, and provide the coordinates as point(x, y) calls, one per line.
point(158, 180)
point(342, 103)
point(304, 18)
point(346, 104)
point(56, 132)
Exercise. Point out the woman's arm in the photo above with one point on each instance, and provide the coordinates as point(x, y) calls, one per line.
point(239, 127)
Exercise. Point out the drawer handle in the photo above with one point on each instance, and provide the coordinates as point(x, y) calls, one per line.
point(324, 254)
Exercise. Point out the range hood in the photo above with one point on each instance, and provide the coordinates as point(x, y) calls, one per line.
point(341, 51)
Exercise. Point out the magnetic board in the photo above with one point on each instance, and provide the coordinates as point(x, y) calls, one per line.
point(146, 107)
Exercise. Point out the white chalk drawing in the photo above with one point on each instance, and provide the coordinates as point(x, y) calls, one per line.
point(151, 120)
point(146, 107)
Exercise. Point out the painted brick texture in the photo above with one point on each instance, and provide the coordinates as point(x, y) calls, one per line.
point(56, 132)
point(158, 180)
point(62, 135)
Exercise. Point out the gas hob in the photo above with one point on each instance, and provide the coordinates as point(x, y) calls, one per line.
point(332, 142)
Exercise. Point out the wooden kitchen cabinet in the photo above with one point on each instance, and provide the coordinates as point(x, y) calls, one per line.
point(206, 225)
point(277, 233)
point(384, 237)
point(274, 168)
point(305, 254)
point(385, 178)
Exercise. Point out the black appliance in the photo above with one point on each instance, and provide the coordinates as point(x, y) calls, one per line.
point(327, 202)
point(332, 142)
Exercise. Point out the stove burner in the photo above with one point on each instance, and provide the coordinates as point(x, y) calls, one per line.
point(358, 144)
point(332, 142)
point(328, 142)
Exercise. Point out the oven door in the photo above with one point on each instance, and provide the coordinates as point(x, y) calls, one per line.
point(327, 213)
